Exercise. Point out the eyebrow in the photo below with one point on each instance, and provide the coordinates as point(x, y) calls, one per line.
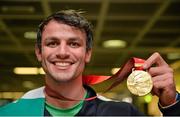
point(69, 39)
point(51, 38)
point(75, 39)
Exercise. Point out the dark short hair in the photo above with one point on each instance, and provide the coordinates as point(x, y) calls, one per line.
point(69, 17)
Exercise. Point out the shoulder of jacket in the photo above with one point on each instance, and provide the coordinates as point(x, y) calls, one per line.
point(36, 93)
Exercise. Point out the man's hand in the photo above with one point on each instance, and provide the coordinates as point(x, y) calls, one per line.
point(162, 77)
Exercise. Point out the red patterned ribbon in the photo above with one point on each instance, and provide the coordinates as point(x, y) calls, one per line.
point(121, 75)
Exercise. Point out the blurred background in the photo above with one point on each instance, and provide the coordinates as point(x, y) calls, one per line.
point(122, 29)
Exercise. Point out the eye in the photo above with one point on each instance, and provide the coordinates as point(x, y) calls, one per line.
point(74, 44)
point(52, 44)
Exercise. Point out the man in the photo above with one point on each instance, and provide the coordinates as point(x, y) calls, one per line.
point(64, 46)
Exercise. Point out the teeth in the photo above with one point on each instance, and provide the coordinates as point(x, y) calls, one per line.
point(62, 64)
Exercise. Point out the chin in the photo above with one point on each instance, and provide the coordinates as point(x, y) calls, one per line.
point(62, 77)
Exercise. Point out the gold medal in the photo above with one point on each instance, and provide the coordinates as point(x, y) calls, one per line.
point(139, 83)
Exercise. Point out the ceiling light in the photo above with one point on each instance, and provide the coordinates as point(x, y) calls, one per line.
point(11, 95)
point(114, 44)
point(25, 9)
point(173, 56)
point(175, 65)
point(41, 71)
point(26, 70)
point(7, 95)
point(30, 35)
point(114, 70)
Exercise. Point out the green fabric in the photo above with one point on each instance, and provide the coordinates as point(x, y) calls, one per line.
point(24, 107)
point(56, 111)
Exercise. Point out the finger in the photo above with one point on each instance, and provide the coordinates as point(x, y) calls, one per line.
point(165, 77)
point(163, 81)
point(155, 91)
point(154, 71)
point(159, 86)
point(154, 59)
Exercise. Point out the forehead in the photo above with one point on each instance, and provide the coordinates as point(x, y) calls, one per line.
point(54, 25)
point(60, 30)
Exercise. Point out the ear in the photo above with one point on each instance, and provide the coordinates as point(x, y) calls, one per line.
point(38, 53)
point(88, 56)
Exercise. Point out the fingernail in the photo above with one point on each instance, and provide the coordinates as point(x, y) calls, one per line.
point(145, 66)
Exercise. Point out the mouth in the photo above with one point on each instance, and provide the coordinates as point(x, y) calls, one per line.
point(62, 64)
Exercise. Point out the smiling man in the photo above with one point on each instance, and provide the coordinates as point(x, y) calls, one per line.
point(64, 46)
point(63, 55)
point(63, 52)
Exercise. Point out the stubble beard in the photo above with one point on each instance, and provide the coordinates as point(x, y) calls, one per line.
point(64, 76)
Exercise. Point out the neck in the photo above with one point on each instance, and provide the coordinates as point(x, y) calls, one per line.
point(55, 92)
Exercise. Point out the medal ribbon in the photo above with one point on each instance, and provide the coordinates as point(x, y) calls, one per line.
point(121, 75)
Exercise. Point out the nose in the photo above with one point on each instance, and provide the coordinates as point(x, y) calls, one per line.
point(62, 51)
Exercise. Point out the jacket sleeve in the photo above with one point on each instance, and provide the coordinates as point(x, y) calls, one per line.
point(172, 110)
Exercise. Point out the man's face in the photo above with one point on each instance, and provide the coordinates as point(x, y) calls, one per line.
point(63, 54)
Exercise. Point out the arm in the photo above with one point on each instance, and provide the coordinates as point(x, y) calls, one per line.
point(163, 81)
point(173, 109)
point(163, 84)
